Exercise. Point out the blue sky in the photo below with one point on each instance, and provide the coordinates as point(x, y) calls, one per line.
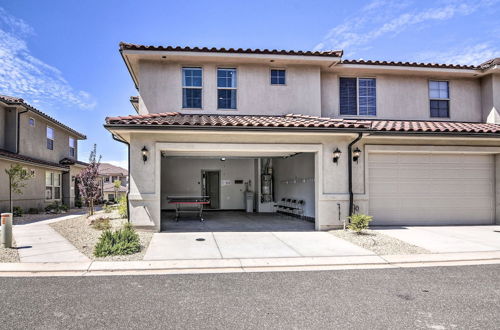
point(62, 56)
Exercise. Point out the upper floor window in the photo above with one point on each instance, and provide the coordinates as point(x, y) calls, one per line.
point(439, 95)
point(192, 81)
point(106, 179)
point(226, 88)
point(31, 122)
point(72, 147)
point(278, 77)
point(358, 96)
point(50, 138)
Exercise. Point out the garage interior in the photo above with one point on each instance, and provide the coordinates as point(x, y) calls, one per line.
point(272, 191)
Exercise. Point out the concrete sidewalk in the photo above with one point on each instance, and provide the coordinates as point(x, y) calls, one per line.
point(90, 268)
point(38, 242)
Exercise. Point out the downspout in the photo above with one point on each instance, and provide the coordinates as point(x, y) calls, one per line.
point(128, 178)
point(19, 129)
point(349, 168)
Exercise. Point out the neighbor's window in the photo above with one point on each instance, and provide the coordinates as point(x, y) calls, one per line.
point(31, 122)
point(52, 185)
point(106, 179)
point(50, 138)
point(278, 77)
point(192, 87)
point(439, 95)
point(226, 88)
point(358, 96)
point(72, 147)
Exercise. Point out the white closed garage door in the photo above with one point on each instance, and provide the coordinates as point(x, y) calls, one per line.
point(431, 189)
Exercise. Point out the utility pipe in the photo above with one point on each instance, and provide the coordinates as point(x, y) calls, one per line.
point(349, 168)
point(128, 179)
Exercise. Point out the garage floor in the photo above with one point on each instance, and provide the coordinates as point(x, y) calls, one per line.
point(443, 239)
point(239, 235)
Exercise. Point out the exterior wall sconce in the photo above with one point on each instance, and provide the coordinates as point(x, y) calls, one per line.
point(336, 155)
point(145, 154)
point(355, 154)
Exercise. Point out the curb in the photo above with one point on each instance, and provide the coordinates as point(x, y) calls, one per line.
point(96, 268)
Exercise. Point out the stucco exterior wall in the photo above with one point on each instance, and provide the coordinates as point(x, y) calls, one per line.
point(490, 95)
point(407, 97)
point(2, 127)
point(161, 89)
point(10, 136)
point(33, 140)
point(33, 195)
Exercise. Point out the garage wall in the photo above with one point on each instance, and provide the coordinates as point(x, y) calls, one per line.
point(182, 176)
point(289, 176)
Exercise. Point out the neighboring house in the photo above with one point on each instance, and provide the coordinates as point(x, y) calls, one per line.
point(408, 143)
point(109, 174)
point(47, 149)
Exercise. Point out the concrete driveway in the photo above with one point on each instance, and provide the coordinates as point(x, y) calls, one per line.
point(221, 245)
point(442, 239)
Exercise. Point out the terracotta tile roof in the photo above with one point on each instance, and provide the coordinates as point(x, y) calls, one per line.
point(488, 64)
point(71, 161)
point(290, 121)
point(109, 187)
point(11, 100)
point(108, 169)
point(26, 159)
point(330, 53)
point(301, 121)
point(413, 64)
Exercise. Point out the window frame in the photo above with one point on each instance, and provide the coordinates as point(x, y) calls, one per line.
point(191, 87)
point(439, 99)
point(49, 139)
point(357, 115)
point(271, 76)
point(72, 148)
point(52, 186)
point(235, 68)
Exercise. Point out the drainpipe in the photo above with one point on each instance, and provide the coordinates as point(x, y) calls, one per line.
point(349, 168)
point(18, 129)
point(128, 178)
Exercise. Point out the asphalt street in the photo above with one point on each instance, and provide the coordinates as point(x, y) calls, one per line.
point(414, 298)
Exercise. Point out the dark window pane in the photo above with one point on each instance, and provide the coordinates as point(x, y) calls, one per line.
point(192, 77)
point(278, 77)
point(367, 97)
point(348, 97)
point(226, 78)
point(226, 99)
point(50, 144)
point(191, 98)
point(440, 108)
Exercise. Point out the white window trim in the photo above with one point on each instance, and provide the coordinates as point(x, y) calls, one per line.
point(439, 99)
point(270, 76)
point(182, 86)
point(357, 115)
point(235, 88)
point(53, 186)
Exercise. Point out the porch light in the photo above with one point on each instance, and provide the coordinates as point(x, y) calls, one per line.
point(336, 155)
point(145, 153)
point(355, 154)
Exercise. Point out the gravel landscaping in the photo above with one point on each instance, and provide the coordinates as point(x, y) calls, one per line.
point(379, 243)
point(30, 218)
point(9, 255)
point(84, 237)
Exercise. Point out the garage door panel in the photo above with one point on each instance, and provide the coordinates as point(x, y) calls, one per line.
point(431, 189)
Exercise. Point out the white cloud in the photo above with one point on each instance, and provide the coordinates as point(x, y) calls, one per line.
point(466, 54)
point(23, 75)
point(388, 18)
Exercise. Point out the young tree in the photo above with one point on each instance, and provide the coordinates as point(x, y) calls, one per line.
point(117, 184)
point(88, 183)
point(17, 181)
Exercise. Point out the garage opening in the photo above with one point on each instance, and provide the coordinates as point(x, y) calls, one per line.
point(202, 192)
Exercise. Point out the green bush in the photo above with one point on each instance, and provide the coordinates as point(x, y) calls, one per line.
point(108, 208)
point(358, 222)
point(122, 207)
point(120, 242)
point(101, 224)
point(63, 207)
point(17, 211)
point(52, 208)
point(78, 203)
point(33, 210)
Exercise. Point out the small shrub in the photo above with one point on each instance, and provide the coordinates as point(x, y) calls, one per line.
point(52, 208)
point(120, 242)
point(17, 211)
point(358, 222)
point(101, 224)
point(123, 207)
point(33, 210)
point(108, 208)
point(78, 203)
point(63, 208)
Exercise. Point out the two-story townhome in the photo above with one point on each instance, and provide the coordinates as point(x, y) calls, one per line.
point(47, 149)
point(109, 174)
point(312, 135)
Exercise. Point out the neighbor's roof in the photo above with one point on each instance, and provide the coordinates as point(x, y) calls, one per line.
point(296, 121)
point(25, 159)
point(12, 100)
point(110, 187)
point(106, 168)
point(412, 64)
point(330, 53)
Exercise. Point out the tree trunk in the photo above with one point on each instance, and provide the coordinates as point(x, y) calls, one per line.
point(10, 195)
